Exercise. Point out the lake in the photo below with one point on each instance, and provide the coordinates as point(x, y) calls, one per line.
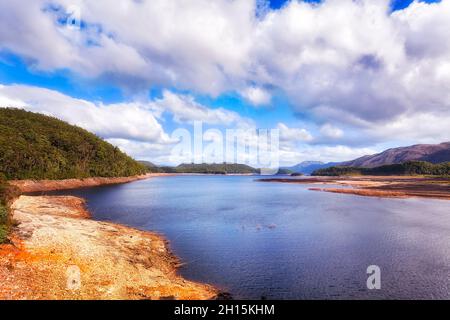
point(282, 241)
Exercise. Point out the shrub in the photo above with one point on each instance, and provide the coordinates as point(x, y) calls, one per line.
point(3, 224)
point(7, 193)
point(3, 234)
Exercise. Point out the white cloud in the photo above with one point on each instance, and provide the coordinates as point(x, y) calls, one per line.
point(131, 121)
point(155, 152)
point(256, 96)
point(198, 44)
point(185, 109)
point(322, 153)
point(414, 128)
point(330, 131)
point(293, 134)
point(352, 62)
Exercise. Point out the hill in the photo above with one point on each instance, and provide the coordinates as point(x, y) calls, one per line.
point(307, 167)
point(153, 168)
point(148, 164)
point(433, 153)
point(35, 146)
point(223, 168)
point(205, 168)
point(407, 168)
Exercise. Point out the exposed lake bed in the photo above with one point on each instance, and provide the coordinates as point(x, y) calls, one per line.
point(378, 186)
point(283, 241)
point(57, 252)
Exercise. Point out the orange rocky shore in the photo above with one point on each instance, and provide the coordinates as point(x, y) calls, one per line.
point(51, 185)
point(57, 252)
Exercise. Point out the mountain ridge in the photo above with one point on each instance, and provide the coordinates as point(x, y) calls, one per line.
point(433, 153)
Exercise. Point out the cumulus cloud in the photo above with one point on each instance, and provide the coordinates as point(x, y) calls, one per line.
point(292, 156)
point(256, 96)
point(136, 40)
point(155, 152)
point(293, 134)
point(185, 109)
point(414, 128)
point(330, 131)
point(351, 63)
point(131, 121)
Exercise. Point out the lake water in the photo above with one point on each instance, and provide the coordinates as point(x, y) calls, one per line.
point(282, 241)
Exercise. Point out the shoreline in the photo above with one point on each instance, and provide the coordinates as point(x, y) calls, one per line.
point(54, 237)
point(379, 186)
point(28, 186)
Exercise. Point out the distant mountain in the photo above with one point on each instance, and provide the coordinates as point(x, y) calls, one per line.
point(307, 167)
point(433, 153)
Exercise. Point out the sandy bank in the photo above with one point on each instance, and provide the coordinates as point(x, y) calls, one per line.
point(55, 241)
point(50, 185)
point(380, 186)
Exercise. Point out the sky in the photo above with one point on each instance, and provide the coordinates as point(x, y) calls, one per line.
point(339, 79)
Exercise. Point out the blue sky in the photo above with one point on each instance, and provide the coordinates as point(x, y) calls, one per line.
point(395, 4)
point(334, 92)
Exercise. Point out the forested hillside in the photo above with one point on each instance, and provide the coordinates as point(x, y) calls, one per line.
point(225, 168)
point(204, 168)
point(407, 168)
point(35, 146)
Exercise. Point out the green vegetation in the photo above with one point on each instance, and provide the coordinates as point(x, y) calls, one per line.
point(338, 171)
point(3, 223)
point(284, 171)
point(209, 168)
point(204, 168)
point(407, 168)
point(7, 193)
point(296, 174)
point(225, 168)
point(153, 168)
point(34, 146)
